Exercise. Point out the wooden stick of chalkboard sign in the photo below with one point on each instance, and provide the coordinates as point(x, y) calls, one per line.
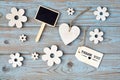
point(40, 32)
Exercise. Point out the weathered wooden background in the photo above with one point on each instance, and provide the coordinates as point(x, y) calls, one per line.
point(70, 68)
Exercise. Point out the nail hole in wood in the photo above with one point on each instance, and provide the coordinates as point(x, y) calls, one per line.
point(6, 42)
point(70, 64)
point(5, 69)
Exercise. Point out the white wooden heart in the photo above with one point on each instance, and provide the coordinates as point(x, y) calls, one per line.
point(68, 34)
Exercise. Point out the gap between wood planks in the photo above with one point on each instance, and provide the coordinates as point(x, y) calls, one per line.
point(24, 27)
point(64, 53)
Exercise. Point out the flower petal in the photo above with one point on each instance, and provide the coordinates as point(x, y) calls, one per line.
point(104, 9)
point(12, 55)
point(9, 16)
point(17, 55)
point(19, 63)
point(59, 53)
point(10, 61)
point(21, 11)
point(57, 61)
point(50, 63)
point(98, 17)
point(14, 65)
point(100, 38)
point(96, 31)
point(100, 34)
point(96, 41)
point(53, 48)
point(14, 10)
point(91, 38)
point(44, 57)
point(23, 19)
point(11, 23)
point(96, 13)
point(91, 33)
point(47, 51)
point(103, 18)
point(99, 8)
point(20, 58)
point(18, 24)
point(106, 14)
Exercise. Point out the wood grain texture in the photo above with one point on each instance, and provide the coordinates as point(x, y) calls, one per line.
point(88, 19)
point(51, 36)
point(70, 68)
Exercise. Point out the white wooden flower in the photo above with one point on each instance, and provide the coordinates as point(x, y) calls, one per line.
point(101, 13)
point(16, 60)
point(35, 56)
point(70, 11)
point(96, 36)
point(23, 38)
point(16, 17)
point(52, 55)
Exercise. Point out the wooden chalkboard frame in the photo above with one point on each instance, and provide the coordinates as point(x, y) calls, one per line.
point(48, 9)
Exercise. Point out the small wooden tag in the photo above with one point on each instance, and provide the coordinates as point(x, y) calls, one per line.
point(89, 56)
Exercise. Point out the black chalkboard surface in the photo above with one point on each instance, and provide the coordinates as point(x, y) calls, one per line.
point(46, 16)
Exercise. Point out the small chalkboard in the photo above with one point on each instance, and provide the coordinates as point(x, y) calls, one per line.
point(46, 16)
